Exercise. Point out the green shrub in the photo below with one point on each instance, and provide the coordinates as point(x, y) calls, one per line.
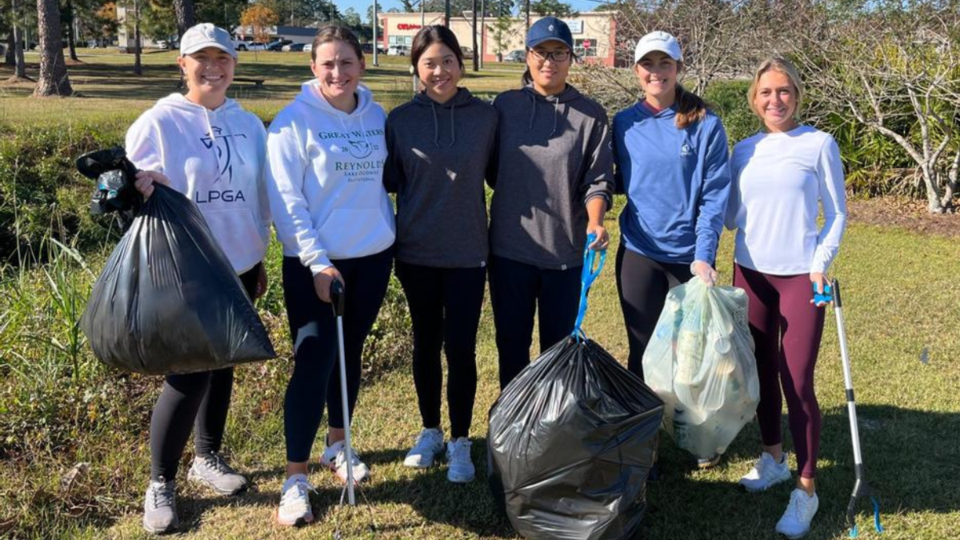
point(729, 100)
point(42, 194)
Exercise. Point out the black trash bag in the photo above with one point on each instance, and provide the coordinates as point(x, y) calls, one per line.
point(168, 300)
point(115, 176)
point(571, 443)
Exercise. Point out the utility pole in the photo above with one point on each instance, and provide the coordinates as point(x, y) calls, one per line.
point(476, 52)
point(528, 15)
point(376, 47)
point(137, 68)
point(446, 13)
point(483, 29)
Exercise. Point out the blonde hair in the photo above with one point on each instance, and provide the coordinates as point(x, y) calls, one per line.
point(782, 65)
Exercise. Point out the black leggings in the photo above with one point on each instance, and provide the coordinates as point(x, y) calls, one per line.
point(517, 290)
point(194, 398)
point(313, 328)
point(445, 306)
point(643, 284)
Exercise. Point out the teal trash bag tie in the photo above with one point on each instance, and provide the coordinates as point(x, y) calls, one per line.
point(587, 276)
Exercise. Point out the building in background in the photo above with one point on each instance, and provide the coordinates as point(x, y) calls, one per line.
point(594, 33)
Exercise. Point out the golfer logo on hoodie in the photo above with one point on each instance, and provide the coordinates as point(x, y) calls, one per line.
point(224, 147)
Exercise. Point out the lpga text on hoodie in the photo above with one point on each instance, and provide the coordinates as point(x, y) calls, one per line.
point(438, 158)
point(553, 155)
point(216, 159)
point(677, 183)
point(325, 179)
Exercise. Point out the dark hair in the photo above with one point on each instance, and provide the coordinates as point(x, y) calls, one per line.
point(691, 108)
point(430, 35)
point(335, 32)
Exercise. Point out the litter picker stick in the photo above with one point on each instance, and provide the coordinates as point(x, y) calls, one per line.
point(337, 300)
point(860, 487)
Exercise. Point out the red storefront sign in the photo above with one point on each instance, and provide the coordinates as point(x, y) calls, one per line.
point(405, 26)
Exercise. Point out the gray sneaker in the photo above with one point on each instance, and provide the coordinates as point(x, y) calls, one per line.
point(212, 471)
point(160, 507)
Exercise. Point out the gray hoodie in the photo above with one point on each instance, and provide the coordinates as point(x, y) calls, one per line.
point(553, 155)
point(438, 154)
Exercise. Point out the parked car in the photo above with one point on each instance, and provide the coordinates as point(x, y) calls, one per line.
point(367, 48)
point(278, 45)
point(467, 52)
point(246, 45)
point(515, 56)
point(307, 47)
point(398, 50)
point(294, 47)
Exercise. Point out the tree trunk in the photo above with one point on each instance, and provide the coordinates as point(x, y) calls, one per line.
point(185, 15)
point(71, 36)
point(54, 80)
point(933, 192)
point(20, 69)
point(9, 58)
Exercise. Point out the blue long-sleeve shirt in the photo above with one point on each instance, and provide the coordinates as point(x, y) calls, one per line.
point(677, 183)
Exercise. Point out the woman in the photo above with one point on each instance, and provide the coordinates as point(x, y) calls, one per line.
point(326, 152)
point(780, 176)
point(671, 154)
point(439, 145)
point(553, 182)
point(201, 144)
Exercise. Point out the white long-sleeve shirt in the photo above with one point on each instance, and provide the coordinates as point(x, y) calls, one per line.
point(780, 181)
point(325, 179)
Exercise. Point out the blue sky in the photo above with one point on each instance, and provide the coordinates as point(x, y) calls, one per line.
point(360, 6)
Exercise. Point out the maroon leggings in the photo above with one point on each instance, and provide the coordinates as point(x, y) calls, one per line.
point(787, 329)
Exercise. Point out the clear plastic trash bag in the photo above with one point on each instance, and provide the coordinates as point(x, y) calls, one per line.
point(700, 361)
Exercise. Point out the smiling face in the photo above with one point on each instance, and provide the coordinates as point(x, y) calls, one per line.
point(776, 101)
point(549, 75)
point(208, 73)
point(440, 71)
point(657, 73)
point(338, 68)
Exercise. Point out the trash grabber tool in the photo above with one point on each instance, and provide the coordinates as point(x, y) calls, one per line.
point(860, 488)
point(337, 299)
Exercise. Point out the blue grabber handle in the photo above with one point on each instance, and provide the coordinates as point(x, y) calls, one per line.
point(587, 277)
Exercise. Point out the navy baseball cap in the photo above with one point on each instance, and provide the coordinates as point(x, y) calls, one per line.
point(547, 29)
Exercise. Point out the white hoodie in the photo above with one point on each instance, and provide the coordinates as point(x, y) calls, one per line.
point(216, 159)
point(324, 179)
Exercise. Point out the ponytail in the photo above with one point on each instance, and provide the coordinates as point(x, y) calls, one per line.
point(691, 108)
point(527, 78)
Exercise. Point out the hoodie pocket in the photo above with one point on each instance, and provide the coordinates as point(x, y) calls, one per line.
point(239, 234)
point(351, 233)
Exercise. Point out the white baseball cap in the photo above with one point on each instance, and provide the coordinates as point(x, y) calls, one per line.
point(658, 41)
point(205, 35)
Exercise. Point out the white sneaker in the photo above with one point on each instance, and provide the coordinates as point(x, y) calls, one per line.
point(795, 522)
point(461, 469)
point(295, 501)
point(335, 458)
point(766, 472)
point(429, 444)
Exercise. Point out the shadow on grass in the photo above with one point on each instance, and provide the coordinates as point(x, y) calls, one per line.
point(910, 464)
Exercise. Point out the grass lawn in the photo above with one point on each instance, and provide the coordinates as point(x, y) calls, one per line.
point(106, 84)
point(900, 297)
